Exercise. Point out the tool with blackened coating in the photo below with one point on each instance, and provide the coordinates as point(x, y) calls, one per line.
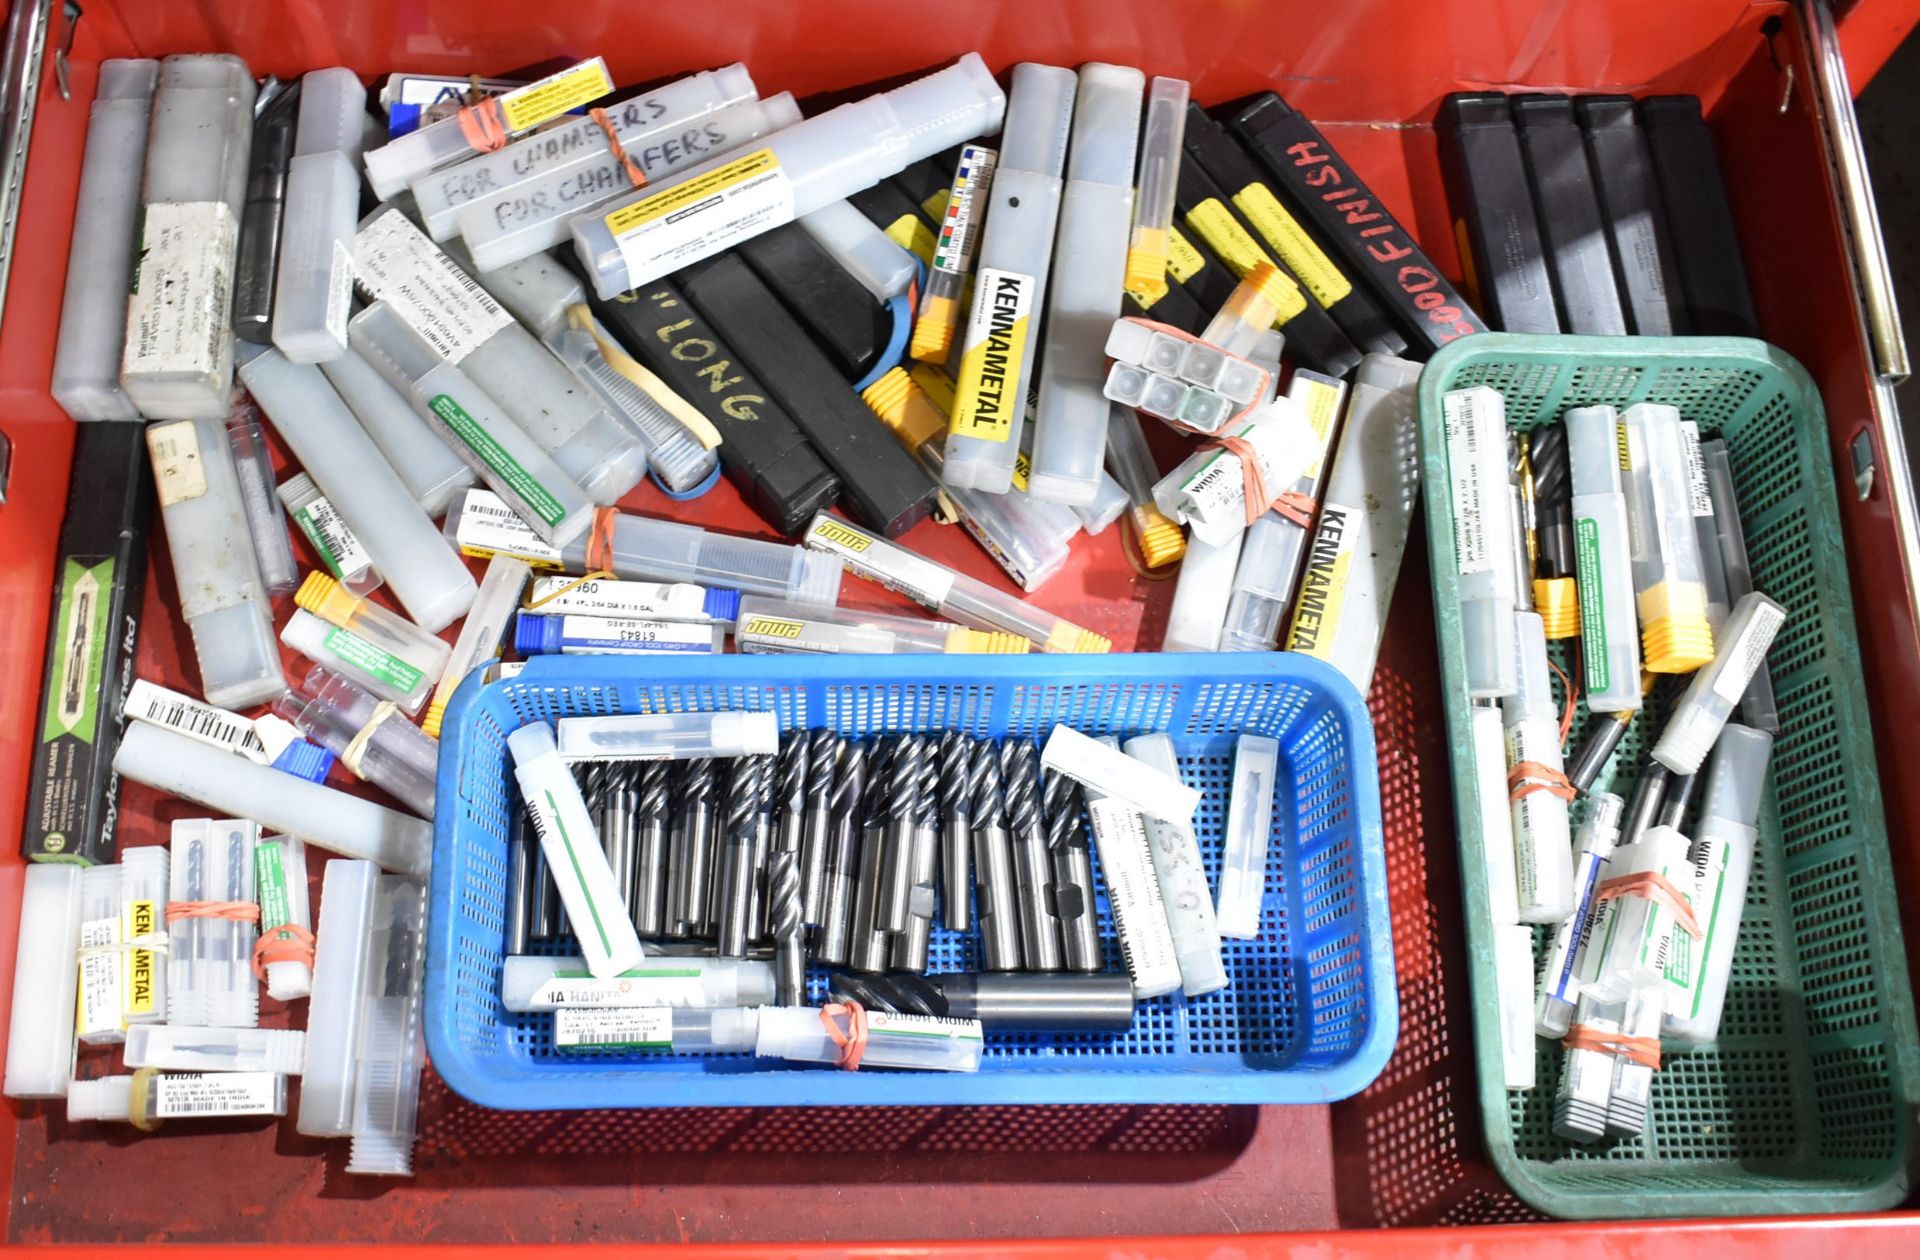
point(789, 941)
point(1072, 860)
point(735, 890)
point(1056, 1003)
point(693, 846)
point(960, 774)
point(824, 753)
point(905, 780)
point(910, 946)
point(543, 897)
point(842, 854)
point(652, 807)
point(521, 890)
point(615, 819)
point(867, 946)
point(1032, 861)
point(993, 863)
point(765, 770)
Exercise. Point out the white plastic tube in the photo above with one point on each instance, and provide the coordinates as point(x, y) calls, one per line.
point(1476, 423)
point(332, 539)
point(431, 470)
point(97, 1007)
point(314, 286)
point(1709, 700)
point(529, 983)
point(1669, 577)
point(798, 169)
point(93, 305)
point(1200, 595)
point(1088, 274)
point(480, 634)
point(1560, 984)
point(280, 883)
point(1120, 834)
point(1207, 490)
point(770, 626)
point(233, 785)
point(1243, 862)
point(343, 460)
point(45, 981)
point(386, 1094)
point(1183, 882)
point(1542, 844)
point(1496, 820)
point(1603, 557)
point(176, 1049)
point(1641, 934)
point(385, 674)
point(796, 1033)
point(668, 736)
point(343, 953)
point(863, 251)
point(210, 959)
point(1110, 772)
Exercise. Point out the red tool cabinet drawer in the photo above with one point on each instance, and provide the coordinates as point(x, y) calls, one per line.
point(1406, 1152)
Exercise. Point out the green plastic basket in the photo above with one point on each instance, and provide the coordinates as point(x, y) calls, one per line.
point(1807, 1103)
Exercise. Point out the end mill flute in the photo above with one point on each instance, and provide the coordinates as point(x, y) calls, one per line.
point(1032, 862)
point(910, 946)
point(764, 782)
point(692, 847)
point(993, 864)
point(824, 752)
point(896, 871)
point(1072, 874)
point(960, 771)
point(867, 946)
point(741, 833)
point(790, 952)
point(842, 854)
point(651, 811)
point(615, 817)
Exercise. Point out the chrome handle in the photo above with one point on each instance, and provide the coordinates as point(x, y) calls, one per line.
point(1833, 104)
point(20, 67)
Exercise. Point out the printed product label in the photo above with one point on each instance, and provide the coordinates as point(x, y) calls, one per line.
point(180, 314)
point(178, 474)
point(81, 627)
point(557, 94)
point(880, 561)
point(1323, 587)
point(538, 499)
point(270, 884)
point(1749, 654)
point(684, 223)
point(1696, 470)
point(663, 601)
point(1183, 260)
point(1215, 224)
point(563, 858)
point(396, 263)
point(991, 357)
point(1321, 401)
point(783, 634)
point(1464, 437)
point(972, 177)
point(140, 918)
point(640, 1028)
point(215, 1094)
point(1536, 741)
point(98, 1010)
point(1591, 583)
point(1133, 891)
point(489, 527)
point(373, 660)
point(662, 986)
point(338, 547)
point(1289, 240)
point(631, 635)
point(195, 719)
point(339, 292)
point(1022, 470)
point(923, 1026)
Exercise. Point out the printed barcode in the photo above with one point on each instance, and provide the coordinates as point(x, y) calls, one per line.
point(191, 1108)
point(191, 719)
point(609, 1039)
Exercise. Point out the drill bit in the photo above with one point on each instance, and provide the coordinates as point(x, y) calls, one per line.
point(842, 855)
point(616, 826)
point(1072, 874)
point(905, 995)
point(824, 753)
point(903, 806)
point(790, 951)
point(959, 769)
point(736, 856)
point(993, 863)
point(790, 793)
point(693, 843)
point(651, 810)
point(1032, 862)
point(910, 946)
point(867, 945)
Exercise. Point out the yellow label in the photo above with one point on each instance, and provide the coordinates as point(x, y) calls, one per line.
point(773, 627)
point(1625, 443)
point(936, 205)
point(987, 395)
point(555, 95)
point(1022, 469)
point(143, 919)
point(1323, 587)
point(1183, 260)
point(911, 233)
point(830, 530)
point(1223, 234)
point(1292, 300)
point(680, 196)
point(1289, 240)
point(1322, 405)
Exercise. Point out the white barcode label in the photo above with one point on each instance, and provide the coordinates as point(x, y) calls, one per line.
point(643, 986)
point(1749, 655)
point(196, 719)
point(661, 601)
point(1696, 470)
point(631, 635)
point(644, 1028)
point(339, 546)
point(98, 1010)
point(1469, 426)
point(488, 527)
point(339, 292)
point(878, 560)
point(1133, 890)
point(218, 1094)
point(396, 263)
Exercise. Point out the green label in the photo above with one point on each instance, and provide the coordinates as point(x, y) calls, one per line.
point(74, 688)
point(494, 456)
point(304, 519)
point(376, 661)
point(580, 876)
point(1593, 620)
point(270, 882)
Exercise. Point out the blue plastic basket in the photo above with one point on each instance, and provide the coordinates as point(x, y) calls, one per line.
point(1311, 1013)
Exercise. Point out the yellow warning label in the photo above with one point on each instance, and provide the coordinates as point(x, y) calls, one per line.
point(1183, 260)
point(555, 95)
point(1289, 240)
point(1323, 587)
point(1215, 224)
point(988, 391)
point(669, 200)
point(911, 233)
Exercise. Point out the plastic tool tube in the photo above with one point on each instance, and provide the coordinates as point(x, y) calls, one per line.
point(1183, 882)
point(431, 469)
point(315, 280)
point(770, 626)
point(1709, 699)
point(1201, 594)
point(387, 1065)
point(668, 736)
point(1000, 342)
point(233, 785)
point(1131, 463)
point(343, 954)
point(253, 465)
point(1669, 579)
point(45, 984)
point(1482, 523)
point(1758, 708)
point(216, 1049)
point(280, 883)
point(532, 983)
point(902, 1041)
point(953, 254)
point(1542, 846)
point(1147, 248)
point(535, 634)
point(333, 603)
point(1592, 862)
point(1243, 865)
point(1609, 637)
point(275, 110)
point(371, 740)
point(210, 956)
point(863, 251)
point(481, 633)
point(333, 541)
point(1133, 895)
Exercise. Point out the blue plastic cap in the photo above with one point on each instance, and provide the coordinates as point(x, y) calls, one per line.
point(536, 633)
point(723, 605)
point(305, 761)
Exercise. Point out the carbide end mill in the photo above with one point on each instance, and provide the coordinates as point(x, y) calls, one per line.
point(1032, 861)
point(993, 864)
point(790, 792)
point(783, 900)
point(843, 854)
point(906, 995)
point(736, 857)
point(1072, 891)
point(651, 810)
point(824, 753)
point(906, 781)
point(958, 767)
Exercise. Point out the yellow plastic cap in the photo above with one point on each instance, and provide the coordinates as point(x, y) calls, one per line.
point(1675, 636)
point(436, 713)
point(905, 408)
point(1147, 265)
point(1161, 541)
point(986, 642)
point(1270, 283)
point(326, 599)
point(1557, 600)
point(1067, 637)
point(933, 331)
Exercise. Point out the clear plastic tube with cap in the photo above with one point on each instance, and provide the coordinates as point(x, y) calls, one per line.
point(1476, 425)
point(955, 595)
point(1538, 791)
point(1207, 491)
point(481, 634)
point(530, 983)
point(999, 343)
point(427, 579)
point(387, 1065)
point(1148, 247)
point(536, 634)
point(232, 784)
point(253, 465)
point(470, 422)
point(1703, 710)
point(167, 1047)
point(642, 401)
point(1669, 579)
point(1632, 1077)
point(146, 1099)
point(1161, 541)
point(612, 597)
point(883, 268)
point(770, 626)
point(1561, 983)
point(706, 208)
point(336, 605)
point(1243, 864)
point(803, 1034)
point(370, 737)
point(1201, 594)
point(1090, 251)
point(314, 284)
point(1586, 1080)
point(1758, 708)
point(45, 984)
point(343, 954)
point(668, 736)
point(1640, 938)
point(1134, 898)
point(431, 469)
point(98, 1007)
point(223, 598)
point(210, 951)
point(954, 248)
point(286, 920)
point(332, 539)
point(388, 676)
point(1184, 894)
point(1251, 310)
point(1603, 553)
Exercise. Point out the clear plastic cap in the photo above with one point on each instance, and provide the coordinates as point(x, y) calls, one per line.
point(103, 1098)
point(1737, 776)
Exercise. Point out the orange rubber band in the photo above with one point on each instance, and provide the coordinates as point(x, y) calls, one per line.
point(1291, 504)
point(852, 1042)
point(1296, 507)
point(1643, 1050)
point(483, 125)
point(600, 540)
point(287, 943)
point(1658, 889)
point(635, 176)
point(1572, 690)
point(592, 575)
point(238, 911)
point(1529, 777)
